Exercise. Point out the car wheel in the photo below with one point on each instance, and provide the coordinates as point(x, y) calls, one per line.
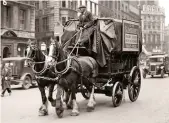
point(27, 82)
point(162, 73)
point(152, 76)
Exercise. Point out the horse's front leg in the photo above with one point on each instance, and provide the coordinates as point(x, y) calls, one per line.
point(59, 105)
point(50, 96)
point(43, 110)
point(91, 104)
point(75, 111)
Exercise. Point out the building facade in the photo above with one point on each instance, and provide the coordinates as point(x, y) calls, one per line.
point(17, 26)
point(166, 39)
point(153, 22)
point(121, 9)
point(52, 15)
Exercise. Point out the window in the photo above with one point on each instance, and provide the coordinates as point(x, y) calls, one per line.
point(69, 4)
point(153, 38)
point(37, 25)
point(45, 24)
point(37, 5)
point(153, 17)
point(106, 4)
point(149, 25)
point(122, 7)
point(80, 2)
point(144, 38)
point(119, 5)
point(153, 25)
point(95, 9)
point(158, 38)
point(149, 38)
point(110, 4)
point(115, 4)
point(90, 6)
point(7, 15)
point(63, 20)
point(86, 2)
point(145, 26)
point(63, 3)
point(69, 18)
point(75, 5)
point(126, 8)
point(159, 26)
point(44, 4)
point(22, 17)
point(144, 17)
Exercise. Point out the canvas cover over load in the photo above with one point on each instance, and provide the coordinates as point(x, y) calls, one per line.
point(108, 35)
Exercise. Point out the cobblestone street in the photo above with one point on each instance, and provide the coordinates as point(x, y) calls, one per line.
point(151, 106)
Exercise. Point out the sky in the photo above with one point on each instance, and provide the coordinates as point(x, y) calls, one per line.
point(165, 4)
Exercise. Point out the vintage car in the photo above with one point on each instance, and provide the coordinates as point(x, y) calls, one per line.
point(22, 74)
point(158, 64)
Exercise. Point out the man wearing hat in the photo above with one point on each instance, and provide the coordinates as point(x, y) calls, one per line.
point(85, 18)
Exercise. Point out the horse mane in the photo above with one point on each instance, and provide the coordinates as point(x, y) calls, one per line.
point(40, 55)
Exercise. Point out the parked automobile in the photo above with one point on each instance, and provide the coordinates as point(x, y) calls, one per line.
point(22, 74)
point(158, 64)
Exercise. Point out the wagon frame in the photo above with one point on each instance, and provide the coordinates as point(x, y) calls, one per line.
point(122, 69)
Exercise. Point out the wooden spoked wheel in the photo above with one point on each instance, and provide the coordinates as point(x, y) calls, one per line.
point(134, 84)
point(117, 94)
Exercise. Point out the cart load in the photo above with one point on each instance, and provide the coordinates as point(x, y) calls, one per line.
point(106, 35)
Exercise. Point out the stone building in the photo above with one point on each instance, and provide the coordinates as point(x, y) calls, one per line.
point(17, 26)
point(153, 21)
point(52, 15)
point(119, 10)
point(166, 39)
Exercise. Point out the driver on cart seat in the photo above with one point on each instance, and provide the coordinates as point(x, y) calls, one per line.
point(86, 22)
point(85, 18)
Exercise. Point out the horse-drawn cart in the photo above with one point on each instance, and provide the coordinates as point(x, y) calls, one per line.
point(116, 48)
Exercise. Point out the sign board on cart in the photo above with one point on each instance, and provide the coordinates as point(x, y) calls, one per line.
point(131, 32)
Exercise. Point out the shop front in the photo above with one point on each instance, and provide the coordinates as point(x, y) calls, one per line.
point(11, 45)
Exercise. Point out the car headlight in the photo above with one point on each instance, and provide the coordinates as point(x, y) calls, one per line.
point(12, 77)
point(157, 67)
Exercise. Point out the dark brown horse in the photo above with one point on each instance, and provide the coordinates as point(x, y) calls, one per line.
point(40, 68)
point(81, 70)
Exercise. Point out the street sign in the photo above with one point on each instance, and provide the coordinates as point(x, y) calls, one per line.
point(131, 34)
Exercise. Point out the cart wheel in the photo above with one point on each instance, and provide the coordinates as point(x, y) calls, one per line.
point(162, 73)
point(117, 94)
point(85, 93)
point(134, 85)
point(27, 82)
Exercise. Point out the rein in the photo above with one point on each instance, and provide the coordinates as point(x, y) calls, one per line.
point(68, 58)
point(44, 68)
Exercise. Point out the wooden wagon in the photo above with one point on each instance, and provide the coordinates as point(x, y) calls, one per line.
point(121, 44)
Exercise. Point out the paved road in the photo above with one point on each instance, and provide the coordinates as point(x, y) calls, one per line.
point(152, 106)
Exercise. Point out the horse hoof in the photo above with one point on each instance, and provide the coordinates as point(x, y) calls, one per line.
point(76, 113)
point(90, 109)
point(43, 113)
point(59, 112)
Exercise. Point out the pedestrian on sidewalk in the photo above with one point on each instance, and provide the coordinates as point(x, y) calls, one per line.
point(6, 77)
